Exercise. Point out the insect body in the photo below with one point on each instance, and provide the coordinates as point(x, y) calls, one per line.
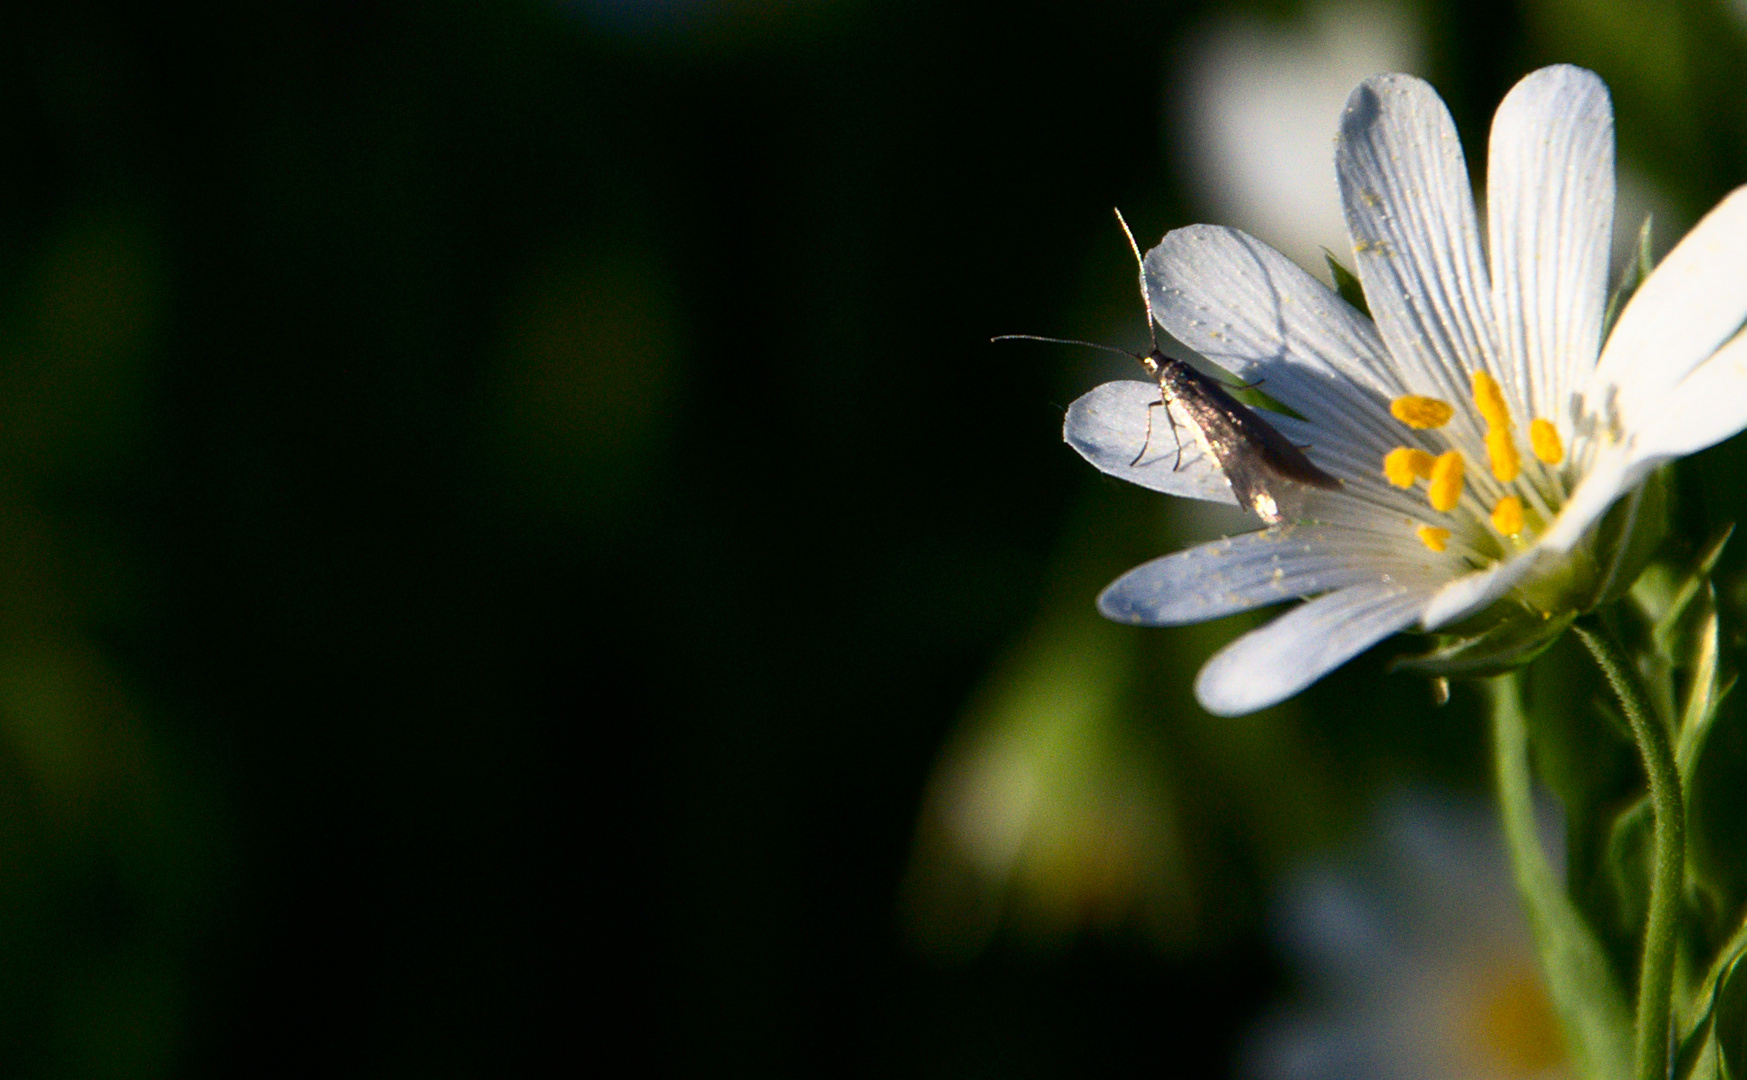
point(1257, 460)
point(1262, 465)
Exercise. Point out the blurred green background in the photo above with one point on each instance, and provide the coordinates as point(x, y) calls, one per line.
point(510, 520)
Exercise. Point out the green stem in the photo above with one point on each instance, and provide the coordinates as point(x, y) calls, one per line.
point(1656, 972)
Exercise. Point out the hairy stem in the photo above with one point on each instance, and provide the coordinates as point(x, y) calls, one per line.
point(1656, 971)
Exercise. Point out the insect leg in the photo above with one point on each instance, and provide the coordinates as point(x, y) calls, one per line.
point(1144, 443)
point(1175, 434)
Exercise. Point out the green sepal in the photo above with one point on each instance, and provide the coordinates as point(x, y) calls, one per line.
point(1633, 531)
point(1630, 278)
point(1505, 646)
point(1252, 395)
point(1346, 283)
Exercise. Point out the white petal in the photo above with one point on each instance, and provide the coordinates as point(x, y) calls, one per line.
point(1550, 211)
point(1693, 302)
point(1242, 572)
point(1109, 428)
point(1611, 476)
point(1477, 591)
point(1415, 237)
point(1269, 665)
point(1358, 461)
point(1253, 311)
point(1707, 407)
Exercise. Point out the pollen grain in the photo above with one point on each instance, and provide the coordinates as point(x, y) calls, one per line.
point(1432, 536)
point(1403, 464)
point(1489, 399)
point(1445, 489)
point(1421, 412)
point(1507, 516)
point(1544, 441)
point(1502, 454)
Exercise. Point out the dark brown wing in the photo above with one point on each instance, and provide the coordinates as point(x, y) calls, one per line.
point(1255, 457)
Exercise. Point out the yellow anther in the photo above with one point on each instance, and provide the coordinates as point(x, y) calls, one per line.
point(1445, 490)
point(1501, 453)
point(1432, 536)
point(1507, 516)
point(1404, 463)
point(1489, 399)
point(1420, 412)
point(1544, 441)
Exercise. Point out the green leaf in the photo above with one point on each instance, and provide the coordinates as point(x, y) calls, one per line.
point(1700, 1043)
point(1714, 772)
point(1584, 754)
point(1668, 620)
point(1503, 647)
point(1629, 856)
point(1633, 276)
point(1729, 1020)
point(1346, 283)
point(1582, 981)
point(1696, 1057)
point(1705, 691)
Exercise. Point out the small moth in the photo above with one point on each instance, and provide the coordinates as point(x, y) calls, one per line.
point(1261, 464)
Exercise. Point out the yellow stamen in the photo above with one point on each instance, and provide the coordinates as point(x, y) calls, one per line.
point(1489, 399)
point(1445, 489)
point(1404, 463)
point(1507, 516)
point(1502, 454)
point(1420, 412)
point(1432, 536)
point(1544, 441)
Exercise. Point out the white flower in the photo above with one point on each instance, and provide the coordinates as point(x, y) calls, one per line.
point(1258, 93)
point(1479, 425)
point(1414, 959)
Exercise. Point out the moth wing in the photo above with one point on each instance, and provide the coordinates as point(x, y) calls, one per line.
point(1110, 428)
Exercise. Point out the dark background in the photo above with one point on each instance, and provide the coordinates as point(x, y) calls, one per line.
point(502, 506)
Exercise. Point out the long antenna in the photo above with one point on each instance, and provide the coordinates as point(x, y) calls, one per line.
point(1066, 341)
point(1151, 324)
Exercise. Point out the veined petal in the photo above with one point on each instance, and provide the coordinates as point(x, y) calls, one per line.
point(1356, 457)
point(1694, 301)
point(1242, 572)
point(1269, 665)
point(1550, 208)
point(1416, 240)
point(1253, 311)
point(1108, 426)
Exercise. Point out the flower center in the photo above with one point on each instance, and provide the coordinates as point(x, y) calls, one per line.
point(1507, 504)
